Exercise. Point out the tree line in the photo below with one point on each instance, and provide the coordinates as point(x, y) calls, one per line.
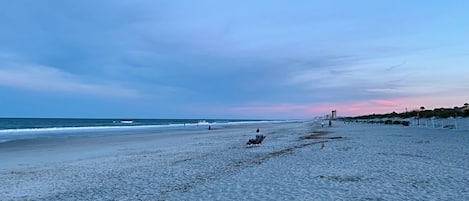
point(421, 113)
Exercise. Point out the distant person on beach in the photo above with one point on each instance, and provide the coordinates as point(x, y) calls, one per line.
point(330, 123)
point(257, 130)
point(257, 140)
point(253, 141)
point(209, 128)
point(322, 124)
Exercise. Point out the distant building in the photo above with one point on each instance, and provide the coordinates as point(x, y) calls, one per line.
point(463, 108)
point(334, 114)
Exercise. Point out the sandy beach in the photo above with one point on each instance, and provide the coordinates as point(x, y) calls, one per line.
point(297, 161)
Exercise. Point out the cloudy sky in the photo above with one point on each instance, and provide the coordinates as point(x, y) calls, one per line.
point(230, 59)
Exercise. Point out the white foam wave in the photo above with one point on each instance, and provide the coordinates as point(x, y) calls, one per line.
point(118, 128)
point(81, 128)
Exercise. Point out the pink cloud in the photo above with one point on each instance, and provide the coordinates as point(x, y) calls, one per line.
point(281, 111)
point(382, 106)
point(377, 106)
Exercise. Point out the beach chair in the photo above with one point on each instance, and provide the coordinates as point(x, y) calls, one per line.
point(257, 140)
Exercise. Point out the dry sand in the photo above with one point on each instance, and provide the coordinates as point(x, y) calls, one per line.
point(357, 162)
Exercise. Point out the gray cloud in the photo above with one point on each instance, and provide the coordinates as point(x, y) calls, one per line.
point(224, 53)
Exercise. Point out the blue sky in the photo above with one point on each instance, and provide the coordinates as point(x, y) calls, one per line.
point(230, 59)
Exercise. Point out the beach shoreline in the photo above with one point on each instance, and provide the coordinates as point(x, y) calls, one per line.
point(297, 161)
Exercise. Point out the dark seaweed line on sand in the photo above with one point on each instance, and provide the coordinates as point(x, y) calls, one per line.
point(238, 165)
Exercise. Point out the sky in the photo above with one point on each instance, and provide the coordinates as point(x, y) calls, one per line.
point(231, 59)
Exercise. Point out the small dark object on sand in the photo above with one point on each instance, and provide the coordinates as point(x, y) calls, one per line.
point(257, 140)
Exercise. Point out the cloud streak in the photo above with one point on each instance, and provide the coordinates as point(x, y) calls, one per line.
point(291, 59)
point(53, 80)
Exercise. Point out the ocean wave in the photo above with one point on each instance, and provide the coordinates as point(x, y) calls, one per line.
point(9, 134)
point(128, 127)
point(84, 128)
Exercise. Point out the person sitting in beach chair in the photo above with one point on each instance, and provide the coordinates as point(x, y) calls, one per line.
point(257, 140)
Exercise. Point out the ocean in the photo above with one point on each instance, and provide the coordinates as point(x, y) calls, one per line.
point(32, 128)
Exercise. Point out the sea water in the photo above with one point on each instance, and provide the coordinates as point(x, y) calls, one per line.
point(31, 128)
